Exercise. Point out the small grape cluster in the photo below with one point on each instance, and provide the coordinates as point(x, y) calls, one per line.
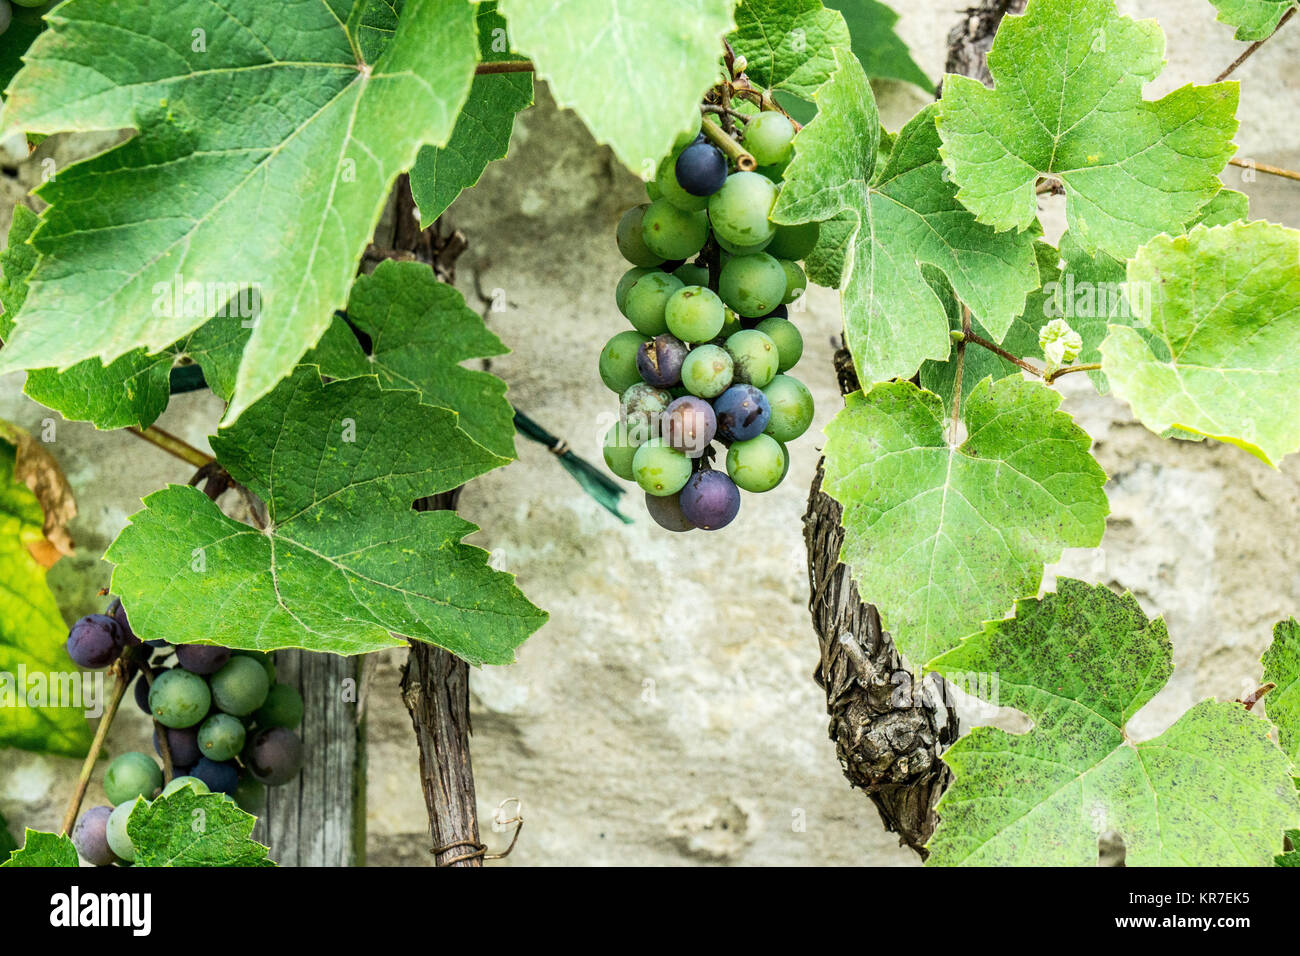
point(229, 726)
point(713, 343)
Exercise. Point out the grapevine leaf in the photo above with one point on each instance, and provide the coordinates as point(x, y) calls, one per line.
point(44, 850)
point(24, 28)
point(943, 538)
point(344, 564)
point(1213, 789)
point(1254, 19)
point(32, 634)
point(906, 215)
point(1282, 703)
point(7, 842)
point(271, 132)
point(1068, 103)
point(788, 43)
point(880, 50)
point(593, 55)
point(194, 829)
point(1222, 306)
point(482, 132)
point(420, 329)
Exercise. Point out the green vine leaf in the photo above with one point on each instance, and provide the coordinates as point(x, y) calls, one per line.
point(907, 215)
point(344, 565)
point(272, 133)
point(420, 331)
point(1223, 348)
point(1068, 103)
point(1254, 19)
point(944, 538)
point(1282, 704)
point(789, 43)
point(1211, 790)
point(194, 829)
point(482, 132)
point(7, 842)
point(882, 53)
point(32, 632)
point(593, 54)
point(44, 850)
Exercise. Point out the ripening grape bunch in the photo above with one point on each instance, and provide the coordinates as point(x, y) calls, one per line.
point(230, 728)
point(709, 354)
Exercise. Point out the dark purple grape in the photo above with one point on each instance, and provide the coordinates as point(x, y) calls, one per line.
point(710, 500)
point(781, 312)
point(94, 641)
point(667, 512)
point(90, 836)
point(274, 756)
point(660, 360)
point(689, 425)
point(202, 658)
point(220, 777)
point(701, 169)
point(743, 412)
point(671, 265)
point(142, 695)
point(118, 614)
point(183, 744)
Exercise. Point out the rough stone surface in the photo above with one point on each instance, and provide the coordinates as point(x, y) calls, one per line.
point(667, 714)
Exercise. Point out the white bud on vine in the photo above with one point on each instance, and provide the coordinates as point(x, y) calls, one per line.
point(1060, 344)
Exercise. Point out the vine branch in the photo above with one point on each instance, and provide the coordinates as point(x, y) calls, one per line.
point(173, 445)
point(1265, 168)
point(961, 371)
point(1250, 50)
point(733, 150)
point(96, 745)
point(504, 66)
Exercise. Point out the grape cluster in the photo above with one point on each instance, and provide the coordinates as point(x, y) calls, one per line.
point(711, 344)
point(229, 726)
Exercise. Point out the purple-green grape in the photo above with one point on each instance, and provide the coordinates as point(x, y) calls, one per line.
point(283, 708)
point(769, 138)
point(625, 284)
point(701, 169)
point(674, 233)
point(629, 240)
point(94, 641)
point(692, 274)
point(182, 743)
point(618, 361)
point(179, 698)
point(794, 242)
point(666, 511)
point(710, 500)
point(132, 775)
point(219, 777)
point(240, 687)
point(641, 408)
point(221, 737)
point(250, 794)
point(788, 339)
point(795, 280)
point(739, 210)
point(618, 450)
point(792, 408)
point(694, 313)
point(752, 285)
point(115, 832)
point(743, 413)
point(660, 361)
point(646, 300)
point(90, 835)
point(755, 357)
point(689, 425)
point(671, 191)
point(707, 371)
point(274, 756)
point(202, 659)
point(660, 469)
point(178, 783)
point(757, 464)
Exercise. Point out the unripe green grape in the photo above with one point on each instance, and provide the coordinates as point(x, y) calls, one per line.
point(659, 469)
point(794, 242)
point(758, 464)
point(179, 699)
point(692, 274)
point(221, 737)
point(262, 657)
point(618, 450)
point(694, 314)
point(652, 190)
point(250, 795)
point(6, 15)
point(618, 361)
point(31, 3)
point(115, 832)
point(792, 408)
point(687, 136)
point(752, 285)
point(795, 280)
point(789, 341)
point(626, 282)
point(707, 371)
point(132, 775)
point(283, 708)
point(673, 233)
point(755, 356)
point(775, 173)
point(178, 782)
point(734, 250)
point(769, 138)
point(647, 299)
point(731, 324)
point(240, 687)
point(629, 239)
point(739, 210)
point(671, 191)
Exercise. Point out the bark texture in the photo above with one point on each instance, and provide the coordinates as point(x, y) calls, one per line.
point(970, 40)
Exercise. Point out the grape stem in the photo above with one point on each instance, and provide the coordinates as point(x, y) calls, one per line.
point(961, 370)
point(723, 111)
point(172, 445)
point(968, 336)
point(1250, 50)
point(1066, 370)
point(1265, 168)
point(504, 66)
point(733, 150)
point(96, 745)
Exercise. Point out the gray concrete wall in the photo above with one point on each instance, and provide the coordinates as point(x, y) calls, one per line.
point(666, 714)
